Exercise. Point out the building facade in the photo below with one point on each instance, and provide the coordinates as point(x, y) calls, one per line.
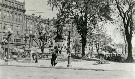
point(12, 15)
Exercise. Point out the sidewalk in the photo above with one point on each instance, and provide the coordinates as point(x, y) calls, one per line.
point(76, 65)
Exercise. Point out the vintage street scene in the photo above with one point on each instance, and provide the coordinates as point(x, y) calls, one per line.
point(67, 39)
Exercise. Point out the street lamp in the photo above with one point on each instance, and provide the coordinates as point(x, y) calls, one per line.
point(9, 33)
point(68, 45)
point(68, 51)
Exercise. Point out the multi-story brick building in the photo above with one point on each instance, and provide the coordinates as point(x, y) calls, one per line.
point(12, 15)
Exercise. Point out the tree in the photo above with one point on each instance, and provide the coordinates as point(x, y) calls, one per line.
point(41, 35)
point(58, 25)
point(99, 39)
point(84, 12)
point(126, 9)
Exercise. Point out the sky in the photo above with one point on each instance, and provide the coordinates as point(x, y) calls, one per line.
point(40, 7)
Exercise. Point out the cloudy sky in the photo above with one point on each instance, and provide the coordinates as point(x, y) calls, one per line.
point(40, 7)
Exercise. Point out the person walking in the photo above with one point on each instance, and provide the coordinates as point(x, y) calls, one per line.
point(36, 58)
point(54, 56)
point(33, 55)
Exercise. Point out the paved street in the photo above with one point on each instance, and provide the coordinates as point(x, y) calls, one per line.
point(13, 72)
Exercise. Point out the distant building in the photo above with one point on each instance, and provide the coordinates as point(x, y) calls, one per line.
point(12, 15)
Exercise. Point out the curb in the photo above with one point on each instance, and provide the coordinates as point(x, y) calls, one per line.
point(58, 67)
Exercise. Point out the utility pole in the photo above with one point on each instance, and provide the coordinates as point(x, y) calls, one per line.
point(8, 38)
point(8, 49)
point(68, 51)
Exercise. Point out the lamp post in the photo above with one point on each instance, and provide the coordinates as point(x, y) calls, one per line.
point(68, 45)
point(68, 51)
point(9, 33)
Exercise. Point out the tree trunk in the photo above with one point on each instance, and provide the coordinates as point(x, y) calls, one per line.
point(125, 48)
point(83, 45)
point(97, 49)
point(84, 33)
point(42, 48)
point(75, 49)
point(129, 58)
point(125, 44)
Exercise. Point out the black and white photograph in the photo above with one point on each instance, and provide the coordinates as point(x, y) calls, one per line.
point(67, 39)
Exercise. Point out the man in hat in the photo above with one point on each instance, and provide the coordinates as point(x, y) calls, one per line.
point(54, 56)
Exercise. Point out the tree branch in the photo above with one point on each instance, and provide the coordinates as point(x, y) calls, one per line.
point(120, 9)
point(40, 43)
point(131, 24)
point(36, 42)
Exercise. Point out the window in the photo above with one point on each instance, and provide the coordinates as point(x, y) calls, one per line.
point(9, 3)
point(15, 5)
point(0, 26)
point(17, 40)
point(12, 4)
point(4, 27)
point(0, 13)
point(15, 16)
point(4, 14)
point(11, 26)
point(17, 32)
point(19, 6)
point(19, 17)
point(4, 1)
point(10, 16)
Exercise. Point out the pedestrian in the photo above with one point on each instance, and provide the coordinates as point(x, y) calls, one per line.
point(5, 58)
point(54, 56)
point(33, 56)
point(36, 59)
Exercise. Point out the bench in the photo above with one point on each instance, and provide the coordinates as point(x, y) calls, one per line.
point(44, 55)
